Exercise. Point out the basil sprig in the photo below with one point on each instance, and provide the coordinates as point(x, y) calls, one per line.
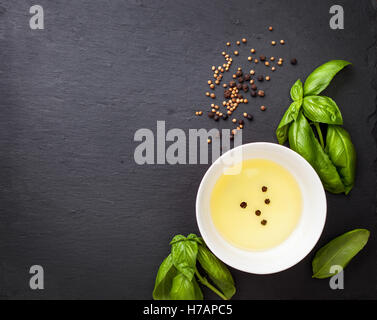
point(304, 122)
point(178, 277)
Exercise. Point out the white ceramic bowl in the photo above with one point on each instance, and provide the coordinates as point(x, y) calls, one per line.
point(302, 239)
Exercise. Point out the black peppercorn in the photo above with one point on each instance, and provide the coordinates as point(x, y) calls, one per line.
point(240, 79)
point(246, 77)
point(232, 83)
point(260, 78)
point(239, 73)
point(262, 57)
point(294, 61)
point(239, 86)
point(264, 188)
point(225, 116)
point(267, 201)
point(243, 205)
point(263, 222)
point(253, 86)
point(227, 94)
point(250, 117)
point(210, 114)
point(241, 122)
point(245, 87)
point(253, 93)
point(258, 212)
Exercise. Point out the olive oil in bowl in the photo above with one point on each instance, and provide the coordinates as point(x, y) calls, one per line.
point(257, 208)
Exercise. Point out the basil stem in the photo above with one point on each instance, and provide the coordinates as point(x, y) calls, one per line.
point(206, 283)
point(319, 132)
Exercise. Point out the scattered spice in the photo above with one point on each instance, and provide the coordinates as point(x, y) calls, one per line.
point(243, 204)
point(263, 222)
point(258, 212)
point(264, 188)
point(267, 201)
point(233, 97)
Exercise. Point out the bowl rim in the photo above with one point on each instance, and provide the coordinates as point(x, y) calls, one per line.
point(224, 257)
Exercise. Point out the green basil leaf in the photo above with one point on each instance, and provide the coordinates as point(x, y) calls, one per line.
point(320, 78)
point(184, 254)
point(342, 153)
point(303, 141)
point(217, 271)
point(177, 238)
point(339, 251)
point(289, 116)
point(194, 237)
point(322, 109)
point(164, 279)
point(297, 91)
point(185, 289)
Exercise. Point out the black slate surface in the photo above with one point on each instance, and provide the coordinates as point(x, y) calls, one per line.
point(72, 96)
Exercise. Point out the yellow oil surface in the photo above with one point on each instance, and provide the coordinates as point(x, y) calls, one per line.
point(241, 226)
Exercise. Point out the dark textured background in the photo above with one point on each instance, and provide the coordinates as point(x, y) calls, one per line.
point(71, 97)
